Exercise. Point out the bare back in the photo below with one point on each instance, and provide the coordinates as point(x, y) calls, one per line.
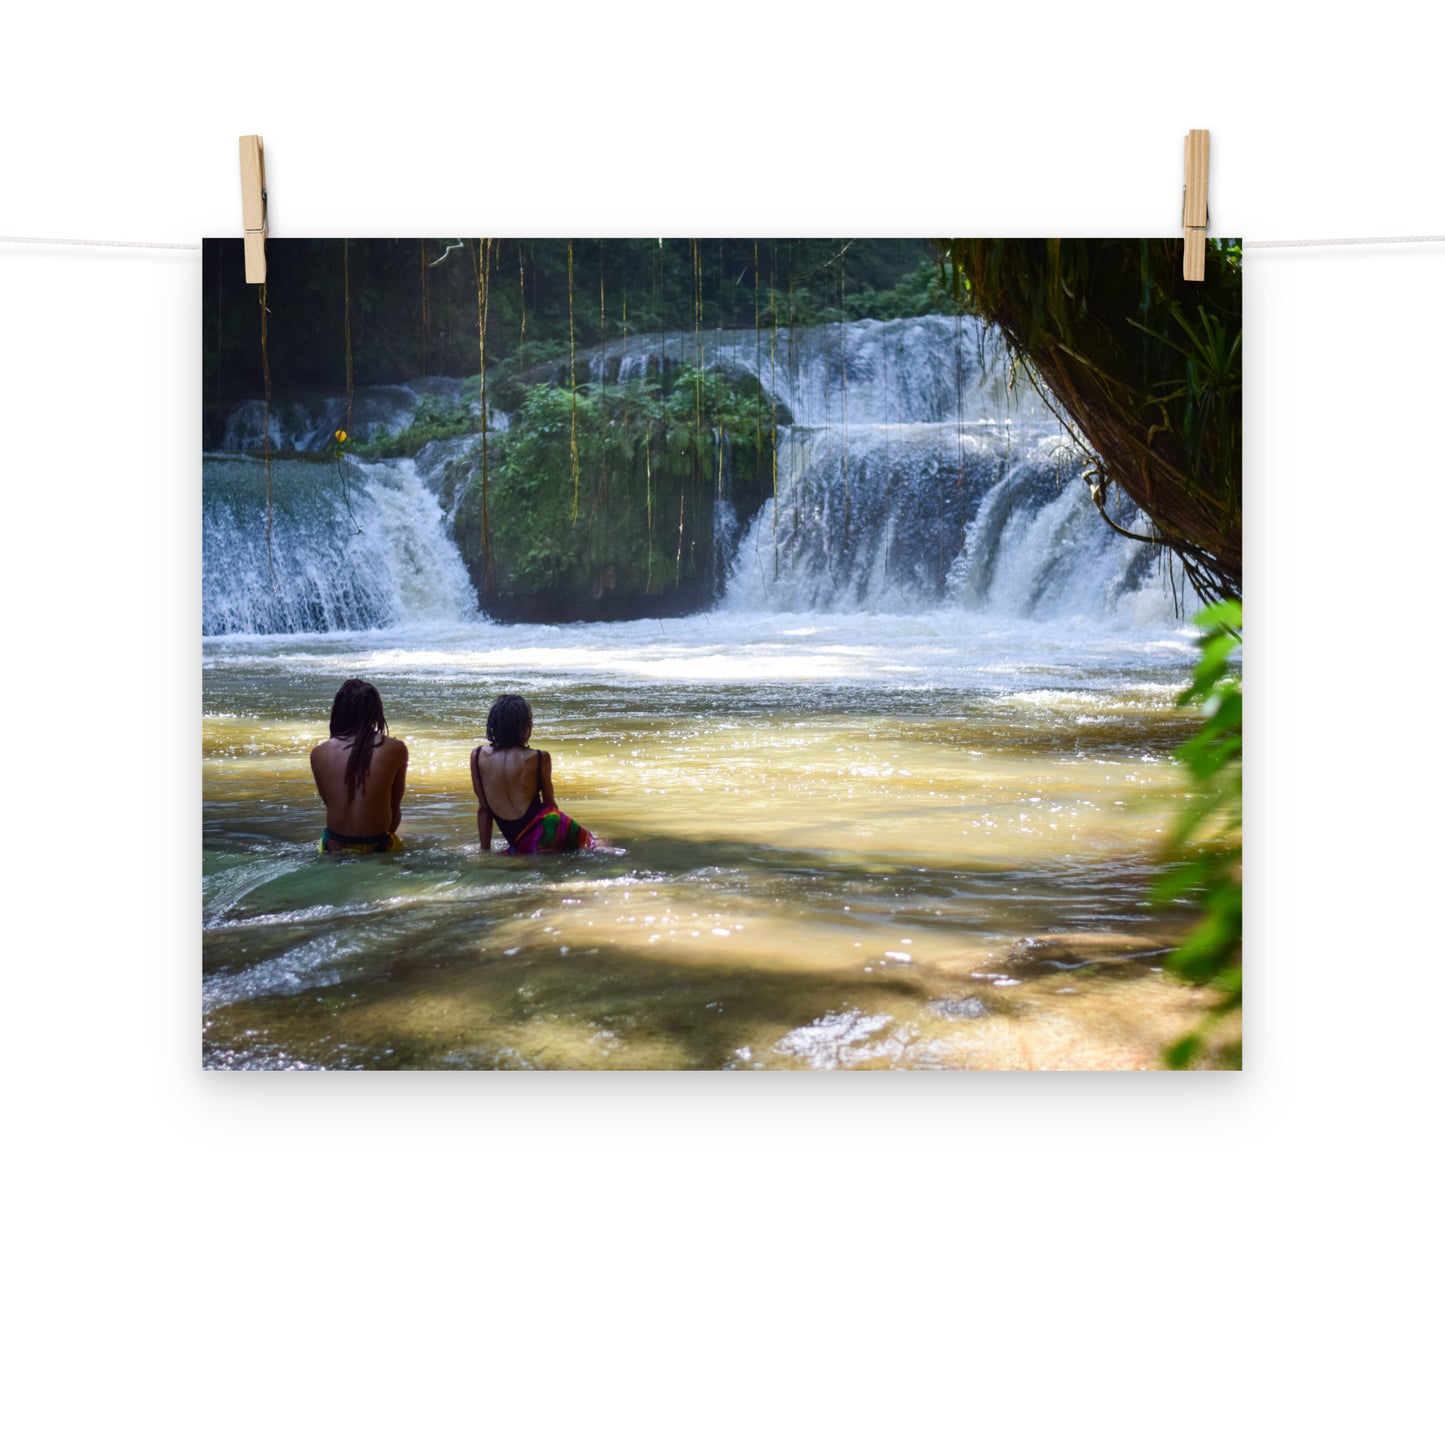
point(507, 782)
point(376, 808)
point(512, 777)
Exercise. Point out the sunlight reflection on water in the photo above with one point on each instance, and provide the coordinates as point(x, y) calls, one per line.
point(789, 813)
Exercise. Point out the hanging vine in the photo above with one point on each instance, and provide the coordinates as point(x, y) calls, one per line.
point(958, 420)
point(425, 310)
point(342, 435)
point(677, 571)
point(572, 355)
point(346, 303)
point(719, 429)
point(757, 358)
point(773, 388)
point(697, 360)
point(266, 428)
point(602, 340)
point(220, 313)
point(522, 289)
point(483, 304)
point(793, 364)
point(647, 453)
point(843, 356)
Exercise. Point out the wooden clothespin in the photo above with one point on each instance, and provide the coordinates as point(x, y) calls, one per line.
point(1196, 202)
point(253, 206)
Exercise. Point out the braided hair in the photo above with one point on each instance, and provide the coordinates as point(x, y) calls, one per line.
point(357, 714)
point(509, 721)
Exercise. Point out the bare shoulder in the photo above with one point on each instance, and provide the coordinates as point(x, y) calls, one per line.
point(392, 752)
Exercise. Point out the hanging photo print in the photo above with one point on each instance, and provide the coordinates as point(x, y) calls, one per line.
point(722, 654)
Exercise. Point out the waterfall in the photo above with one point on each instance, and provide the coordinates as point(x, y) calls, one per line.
point(916, 469)
point(305, 423)
point(862, 373)
point(1040, 550)
point(376, 553)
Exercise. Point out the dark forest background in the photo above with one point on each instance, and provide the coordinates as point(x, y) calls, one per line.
point(412, 306)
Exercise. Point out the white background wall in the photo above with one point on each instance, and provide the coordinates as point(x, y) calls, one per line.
point(670, 1258)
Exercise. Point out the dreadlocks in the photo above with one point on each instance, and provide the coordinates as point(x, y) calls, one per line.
point(509, 721)
point(357, 714)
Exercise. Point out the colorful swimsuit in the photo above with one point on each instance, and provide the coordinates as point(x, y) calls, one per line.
point(551, 831)
point(540, 829)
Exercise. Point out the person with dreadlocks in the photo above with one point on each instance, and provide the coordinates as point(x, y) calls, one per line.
point(360, 774)
point(513, 784)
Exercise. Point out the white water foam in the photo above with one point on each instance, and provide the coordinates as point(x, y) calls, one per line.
point(374, 551)
point(914, 477)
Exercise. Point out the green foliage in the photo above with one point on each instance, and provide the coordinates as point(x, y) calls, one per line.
point(1206, 842)
point(652, 456)
point(1145, 367)
point(411, 306)
point(434, 420)
point(925, 291)
point(1209, 392)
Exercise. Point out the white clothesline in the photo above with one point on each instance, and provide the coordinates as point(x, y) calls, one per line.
point(1248, 245)
point(1347, 241)
point(132, 245)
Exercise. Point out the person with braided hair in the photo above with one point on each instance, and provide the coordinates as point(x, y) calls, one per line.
point(507, 774)
point(360, 774)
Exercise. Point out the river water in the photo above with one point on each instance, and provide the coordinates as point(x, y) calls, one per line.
point(843, 841)
point(895, 802)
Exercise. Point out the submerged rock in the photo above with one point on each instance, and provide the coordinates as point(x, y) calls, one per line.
point(959, 1008)
point(1051, 952)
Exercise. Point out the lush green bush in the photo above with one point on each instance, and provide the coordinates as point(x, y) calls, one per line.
point(599, 500)
point(434, 420)
point(925, 291)
point(1207, 844)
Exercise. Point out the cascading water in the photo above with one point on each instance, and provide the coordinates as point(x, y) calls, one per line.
point(307, 422)
point(1036, 551)
point(915, 469)
point(373, 552)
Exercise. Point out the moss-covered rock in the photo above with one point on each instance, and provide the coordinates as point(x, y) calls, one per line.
point(435, 419)
point(615, 501)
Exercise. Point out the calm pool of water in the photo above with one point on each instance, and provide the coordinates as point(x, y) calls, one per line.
point(916, 842)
